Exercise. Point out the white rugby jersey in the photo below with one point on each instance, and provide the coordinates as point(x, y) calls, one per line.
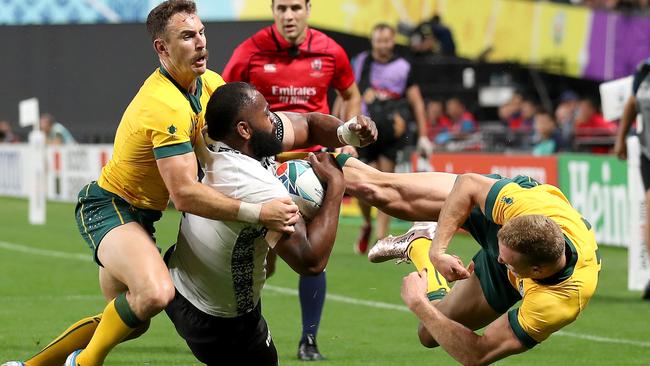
point(219, 265)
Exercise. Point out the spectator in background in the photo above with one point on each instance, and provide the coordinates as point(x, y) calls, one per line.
point(462, 123)
point(55, 133)
point(512, 108)
point(639, 102)
point(590, 124)
point(437, 120)
point(432, 36)
point(565, 116)
point(6, 133)
point(387, 87)
point(545, 140)
point(521, 125)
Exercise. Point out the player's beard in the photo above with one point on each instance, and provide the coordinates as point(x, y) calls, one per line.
point(265, 144)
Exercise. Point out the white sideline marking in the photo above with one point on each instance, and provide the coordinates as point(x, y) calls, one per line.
point(294, 292)
point(340, 298)
point(45, 252)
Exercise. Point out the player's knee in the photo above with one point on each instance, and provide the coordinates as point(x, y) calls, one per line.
point(157, 296)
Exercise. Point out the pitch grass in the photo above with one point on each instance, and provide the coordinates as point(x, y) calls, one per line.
point(40, 295)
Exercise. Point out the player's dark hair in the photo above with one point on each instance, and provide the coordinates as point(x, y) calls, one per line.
point(159, 16)
point(538, 238)
point(225, 108)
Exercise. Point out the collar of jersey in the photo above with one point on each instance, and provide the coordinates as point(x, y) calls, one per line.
point(195, 100)
point(218, 146)
point(567, 271)
point(392, 58)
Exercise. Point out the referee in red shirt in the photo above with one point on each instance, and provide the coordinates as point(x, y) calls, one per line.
point(293, 66)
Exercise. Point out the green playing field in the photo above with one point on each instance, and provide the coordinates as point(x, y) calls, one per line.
point(47, 281)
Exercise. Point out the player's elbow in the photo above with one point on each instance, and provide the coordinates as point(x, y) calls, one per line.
point(183, 196)
point(474, 359)
point(181, 203)
point(471, 360)
point(182, 199)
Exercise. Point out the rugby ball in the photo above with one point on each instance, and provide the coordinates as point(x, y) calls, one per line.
point(303, 186)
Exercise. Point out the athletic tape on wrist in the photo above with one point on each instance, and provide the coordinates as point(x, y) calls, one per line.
point(346, 136)
point(249, 212)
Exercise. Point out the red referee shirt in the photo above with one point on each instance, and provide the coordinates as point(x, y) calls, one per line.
point(291, 80)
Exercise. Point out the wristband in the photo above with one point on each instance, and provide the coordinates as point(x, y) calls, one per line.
point(346, 136)
point(249, 212)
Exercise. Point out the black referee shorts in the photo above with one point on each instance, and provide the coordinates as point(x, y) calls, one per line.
point(244, 340)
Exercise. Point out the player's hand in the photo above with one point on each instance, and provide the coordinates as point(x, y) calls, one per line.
point(326, 169)
point(620, 149)
point(366, 129)
point(347, 149)
point(450, 267)
point(424, 146)
point(280, 215)
point(414, 289)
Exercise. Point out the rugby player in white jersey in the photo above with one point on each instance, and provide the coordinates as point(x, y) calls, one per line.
point(218, 266)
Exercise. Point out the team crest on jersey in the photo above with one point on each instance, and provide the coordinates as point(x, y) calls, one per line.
point(317, 64)
point(316, 68)
point(270, 68)
point(521, 287)
point(172, 129)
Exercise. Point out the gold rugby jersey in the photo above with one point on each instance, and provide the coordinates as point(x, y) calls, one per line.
point(550, 304)
point(162, 120)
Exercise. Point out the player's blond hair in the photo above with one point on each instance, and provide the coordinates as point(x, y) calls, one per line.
point(537, 237)
point(159, 16)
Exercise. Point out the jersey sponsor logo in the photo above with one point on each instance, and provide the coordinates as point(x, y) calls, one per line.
point(293, 94)
point(270, 68)
point(507, 200)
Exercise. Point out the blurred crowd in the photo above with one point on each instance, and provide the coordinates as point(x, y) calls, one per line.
point(55, 132)
point(575, 124)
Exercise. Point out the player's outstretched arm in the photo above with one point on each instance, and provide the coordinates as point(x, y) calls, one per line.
point(408, 196)
point(470, 190)
point(308, 249)
point(189, 195)
point(309, 129)
point(467, 347)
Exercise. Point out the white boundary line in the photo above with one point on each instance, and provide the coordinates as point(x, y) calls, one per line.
point(293, 292)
